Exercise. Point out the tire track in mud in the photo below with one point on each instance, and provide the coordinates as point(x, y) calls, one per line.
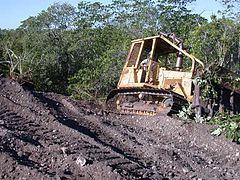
point(106, 151)
point(15, 135)
point(157, 154)
point(44, 134)
point(192, 160)
point(188, 162)
point(123, 163)
point(182, 159)
point(181, 156)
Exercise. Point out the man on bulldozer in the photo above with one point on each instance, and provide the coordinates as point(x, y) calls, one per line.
point(145, 65)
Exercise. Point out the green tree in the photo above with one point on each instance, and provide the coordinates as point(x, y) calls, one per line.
point(218, 41)
point(99, 75)
point(48, 35)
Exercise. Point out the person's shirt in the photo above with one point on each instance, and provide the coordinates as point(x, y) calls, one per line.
point(144, 63)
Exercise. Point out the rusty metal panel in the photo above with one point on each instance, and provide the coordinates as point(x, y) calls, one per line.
point(134, 55)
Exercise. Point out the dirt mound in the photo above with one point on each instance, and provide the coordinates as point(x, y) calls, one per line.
point(50, 136)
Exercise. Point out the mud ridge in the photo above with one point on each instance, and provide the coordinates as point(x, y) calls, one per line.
point(51, 136)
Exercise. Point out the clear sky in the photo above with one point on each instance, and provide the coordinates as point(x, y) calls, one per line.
point(12, 12)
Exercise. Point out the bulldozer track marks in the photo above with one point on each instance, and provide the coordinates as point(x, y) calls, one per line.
point(98, 149)
point(45, 140)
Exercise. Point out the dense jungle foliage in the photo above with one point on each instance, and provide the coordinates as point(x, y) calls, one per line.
point(81, 50)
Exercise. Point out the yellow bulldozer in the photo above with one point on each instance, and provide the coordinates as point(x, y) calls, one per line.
point(157, 78)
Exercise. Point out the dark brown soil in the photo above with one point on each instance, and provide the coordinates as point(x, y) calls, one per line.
point(51, 136)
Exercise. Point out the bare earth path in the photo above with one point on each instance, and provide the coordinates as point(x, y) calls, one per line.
point(50, 136)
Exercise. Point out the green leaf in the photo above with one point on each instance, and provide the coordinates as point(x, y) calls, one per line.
point(217, 131)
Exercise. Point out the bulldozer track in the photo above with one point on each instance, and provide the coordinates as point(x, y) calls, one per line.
point(177, 101)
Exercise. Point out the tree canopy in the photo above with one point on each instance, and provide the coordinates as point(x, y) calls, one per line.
point(81, 50)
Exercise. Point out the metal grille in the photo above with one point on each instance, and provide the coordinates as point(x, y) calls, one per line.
point(134, 55)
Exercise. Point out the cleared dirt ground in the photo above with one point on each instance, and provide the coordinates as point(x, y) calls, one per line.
point(50, 136)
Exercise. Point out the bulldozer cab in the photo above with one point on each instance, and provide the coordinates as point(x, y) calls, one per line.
point(158, 62)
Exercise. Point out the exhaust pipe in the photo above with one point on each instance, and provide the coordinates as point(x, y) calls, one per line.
point(179, 63)
point(179, 43)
